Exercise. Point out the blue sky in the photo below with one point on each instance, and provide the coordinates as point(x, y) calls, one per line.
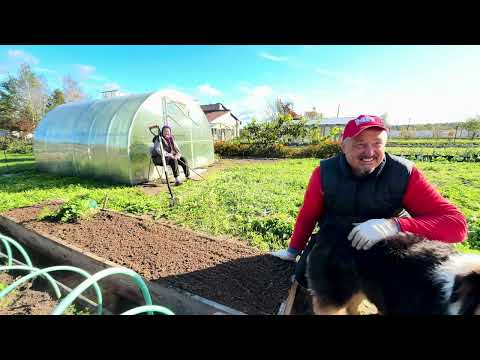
point(421, 83)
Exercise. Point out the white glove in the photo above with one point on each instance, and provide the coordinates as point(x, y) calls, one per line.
point(283, 254)
point(368, 233)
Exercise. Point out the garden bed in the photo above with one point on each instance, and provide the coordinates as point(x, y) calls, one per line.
point(25, 300)
point(226, 271)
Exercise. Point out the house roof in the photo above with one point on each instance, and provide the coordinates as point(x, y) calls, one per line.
point(214, 115)
point(219, 109)
point(213, 107)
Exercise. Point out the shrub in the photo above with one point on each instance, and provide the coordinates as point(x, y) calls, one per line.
point(235, 149)
point(16, 146)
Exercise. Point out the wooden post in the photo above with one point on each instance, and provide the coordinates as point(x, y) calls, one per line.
point(290, 299)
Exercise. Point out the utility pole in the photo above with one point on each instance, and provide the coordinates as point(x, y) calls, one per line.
point(338, 110)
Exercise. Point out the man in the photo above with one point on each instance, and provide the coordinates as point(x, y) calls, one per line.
point(369, 190)
point(171, 152)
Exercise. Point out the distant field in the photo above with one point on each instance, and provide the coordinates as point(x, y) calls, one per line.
point(433, 153)
point(435, 142)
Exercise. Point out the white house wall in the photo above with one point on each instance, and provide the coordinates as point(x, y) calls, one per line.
point(226, 120)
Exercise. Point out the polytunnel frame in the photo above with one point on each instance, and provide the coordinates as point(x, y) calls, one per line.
point(166, 116)
point(74, 162)
point(77, 140)
point(165, 101)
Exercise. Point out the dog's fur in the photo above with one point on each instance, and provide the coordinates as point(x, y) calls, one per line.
point(404, 274)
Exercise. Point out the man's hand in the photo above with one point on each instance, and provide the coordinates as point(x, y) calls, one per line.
point(368, 233)
point(284, 255)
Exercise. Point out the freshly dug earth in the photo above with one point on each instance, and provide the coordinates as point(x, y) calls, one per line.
point(24, 300)
point(227, 271)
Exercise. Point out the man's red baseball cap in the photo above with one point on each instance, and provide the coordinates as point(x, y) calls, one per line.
point(360, 123)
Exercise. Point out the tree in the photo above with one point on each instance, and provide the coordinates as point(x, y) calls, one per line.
point(23, 100)
point(280, 130)
point(7, 100)
point(472, 125)
point(278, 108)
point(71, 90)
point(55, 99)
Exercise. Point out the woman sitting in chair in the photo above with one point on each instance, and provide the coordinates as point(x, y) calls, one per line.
point(172, 153)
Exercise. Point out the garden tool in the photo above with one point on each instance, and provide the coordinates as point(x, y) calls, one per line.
point(173, 201)
point(191, 169)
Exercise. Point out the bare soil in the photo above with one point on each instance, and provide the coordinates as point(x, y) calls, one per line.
point(24, 300)
point(227, 271)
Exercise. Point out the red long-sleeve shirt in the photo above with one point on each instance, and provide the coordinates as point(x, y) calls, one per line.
point(432, 215)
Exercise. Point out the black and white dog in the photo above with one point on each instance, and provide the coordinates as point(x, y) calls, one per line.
point(405, 274)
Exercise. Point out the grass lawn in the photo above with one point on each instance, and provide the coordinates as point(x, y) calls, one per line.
point(255, 202)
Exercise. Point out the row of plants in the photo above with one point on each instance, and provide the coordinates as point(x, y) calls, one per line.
point(329, 148)
point(437, 154)
point(433, 142)
point(432, 145)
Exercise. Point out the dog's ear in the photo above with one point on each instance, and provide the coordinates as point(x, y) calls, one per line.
point(467, 290)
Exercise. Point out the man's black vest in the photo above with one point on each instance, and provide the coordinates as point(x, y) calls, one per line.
point(350, 199)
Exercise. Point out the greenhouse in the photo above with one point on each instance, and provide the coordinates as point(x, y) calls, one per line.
point(110, 138)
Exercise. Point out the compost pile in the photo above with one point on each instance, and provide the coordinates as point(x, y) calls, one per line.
point(227, 271)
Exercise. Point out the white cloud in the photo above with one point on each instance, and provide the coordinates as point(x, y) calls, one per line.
point(88, 72)
point(326, 72)
point(208, 90)
point(85, 69)
point(44, 70)
point(97, 78)
point(256, 100)
point(254, 103)
point(23, 56)
point(344, 78)
point(423, 104)
point(271, 57)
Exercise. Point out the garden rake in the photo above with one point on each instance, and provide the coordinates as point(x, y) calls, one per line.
point(191, 169)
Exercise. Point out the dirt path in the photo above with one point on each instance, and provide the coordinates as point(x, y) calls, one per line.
point(224, 270)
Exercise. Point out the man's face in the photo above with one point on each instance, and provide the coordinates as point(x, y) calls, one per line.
point(365, 151)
